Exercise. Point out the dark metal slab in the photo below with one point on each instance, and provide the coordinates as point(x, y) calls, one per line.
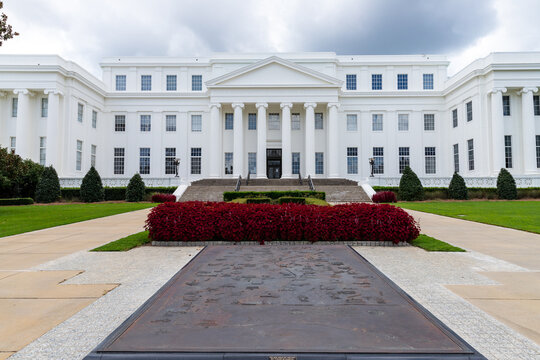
point(294, 302)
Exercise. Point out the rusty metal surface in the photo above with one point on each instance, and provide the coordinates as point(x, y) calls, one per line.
point(282, 300)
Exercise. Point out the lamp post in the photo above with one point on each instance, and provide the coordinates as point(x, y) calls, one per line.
point(371, 164)
point(176, 164)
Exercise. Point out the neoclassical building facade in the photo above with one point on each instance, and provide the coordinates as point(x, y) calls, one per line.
point(276, 116)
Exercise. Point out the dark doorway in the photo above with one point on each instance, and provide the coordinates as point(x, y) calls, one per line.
point(273, 163)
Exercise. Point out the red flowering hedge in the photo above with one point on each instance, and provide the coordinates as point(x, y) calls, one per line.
point(384, 197)
point(211, 221)
point(161, 198)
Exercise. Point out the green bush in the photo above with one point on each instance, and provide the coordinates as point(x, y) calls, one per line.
point(48, 187)
point(410, 187)
point(260, 200)
point(529, 193)
point(16, 201)
point(18, 177)
point(135, 190)
point(91, 187)
point(114, 193)
point(457, 189)
point(506, 185)
point(231, 195)
point(435, 193)
point(291, 199)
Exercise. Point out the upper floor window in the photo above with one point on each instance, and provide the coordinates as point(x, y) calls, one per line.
point(429, 122)
point(94, 119)
point(295, 122)
point(170, 122)
point(120, 123)
point(44, 107)
point(351, 81)
point(80, 112)
point(469, 110)
point(171, 82)
point(376, 81)
point(196, 82)
point(146, 123)
point(403, 122)
point(536, 102)
point(252, 121)
point(196, 123)
point(318, 121)
point(377, 122)
point(454, 118)
point(14, 107)
point(506, 105)
point(403, 81)
point(146, 82)
point(352, 122)
point(273, 122)
point(229, 121)
point(120, 82)
point(428, 81)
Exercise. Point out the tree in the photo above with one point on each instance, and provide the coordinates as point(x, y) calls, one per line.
point(410, 187)
point(18, 177)
point(48, 186)
point(506, 185)
point(135, 190)
point(457, 188)
point(91, 187)
point(6, 31)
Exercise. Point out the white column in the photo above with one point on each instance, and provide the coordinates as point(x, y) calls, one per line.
point(529, 131)
point(310, 138)
point(238, 136)
point(53, 128)
point(497, 130)
point(286, 156)
point(261, 140)
point(216, 151)
point(24, 125)
point(333, 140)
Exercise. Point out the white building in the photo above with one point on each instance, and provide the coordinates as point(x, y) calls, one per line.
point(317, 114)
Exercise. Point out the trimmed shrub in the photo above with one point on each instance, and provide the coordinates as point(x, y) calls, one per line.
point(274, 195)
point(290, 199)
point(161, 198)
point(215, 221)
point(114, 193)
point(18, 177)
point(16, 201)
point(91, 187)
point(135, 190)
point(506, 185)
point(260, 200)
point(48, 187)
point(457, 189)
point(410, 187)
point(384, 197)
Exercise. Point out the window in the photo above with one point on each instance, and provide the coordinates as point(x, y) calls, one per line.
point(470, 148)
point(454, 118)
point(538, 151)
point(428, 81)
point(93, 151)
point(378, 158)
point(196, 82)
point(403, 122)
point(170, 158)
point(12, 144)
point(252, 121)
point(352, 122)
point(42, 150)
point(120, 82)
point(469, 111)
point(229, 121)
point(429, 122)
point(196, 154)
point(376, 81)
point(402, 82)
point(536, 102)
point(120, 123)
point(94, 119)
point(44, 107)
point(508, 151)
point(146, 123)
point(295, 121)
point(351, 82)
point(229, 163)
point(377, 123)
point(506, 105)
point(170, 122)
point(319, 163)
point(146, 82)
point(252, 162)
point(318, 121)
point(119, 161)
point(456, 158)
point(78, 156)
point(296, 163)
point(144, 161)
point(171, 82)
point(14, 107)
point(273, 122)
point(404, 158)
point(352, 160)
point(80, 112)
point(431, 167)
point(196, 123)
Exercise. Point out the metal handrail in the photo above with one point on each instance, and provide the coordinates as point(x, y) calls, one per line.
point(238, 183)
point(300, 178)
point(310, 183)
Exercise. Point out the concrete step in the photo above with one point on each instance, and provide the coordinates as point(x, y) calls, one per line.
point(341, 194)
point(205, 193)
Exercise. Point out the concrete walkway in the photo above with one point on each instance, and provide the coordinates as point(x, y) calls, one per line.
point(32, 302)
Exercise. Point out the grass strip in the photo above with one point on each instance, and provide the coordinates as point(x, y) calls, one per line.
point(126, 243)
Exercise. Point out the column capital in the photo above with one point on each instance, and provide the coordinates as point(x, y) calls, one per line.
point(2, 93)
point(53, 91)
point(310, 104)
point(496, 90)
point(332, 104)
point(528, 89)
point(240, 105)
point(216, 105)
point(261, 104)
point(284, 105)
point(21, 91)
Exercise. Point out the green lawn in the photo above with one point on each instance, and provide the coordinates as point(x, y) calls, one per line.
point(431, 244)
point(126, 243)
point(20, 219)
point(521, 215)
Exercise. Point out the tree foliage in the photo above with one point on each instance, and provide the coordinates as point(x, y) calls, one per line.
point(506, 185)
point(18, 177)
point(136, 190)
point(91, 187)
point(457, 188)
point(410, 187)
point(6, 31)
point(48, 186)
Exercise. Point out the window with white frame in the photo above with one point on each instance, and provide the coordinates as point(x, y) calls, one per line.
point(351, 81)
point(171, 82)
point(170, 123)
point(14, 106)
point(146, 123)
point(506, 105)
point(93, 151)
point(403, 122)
point(229, 121)
point(42, 150)
point(252, 162)
point(146, 82)
point(456, 157)
point(44, 107)
point(319, 163)
point(470, 148)
point(80, 112)
point(196, 160)
point(229, 156)
point(319, 121)
point(430, 160)
point(78, 156)
point(429, 122)
point(120, 82)
point(196, 123)
point(376, 81)
point(252, 121)
point(144, 161)
point(402, 81)
point(352, 122)
point(119, 160)
point(508, 151)
point(428, 81)
point(273, 121)
point(94, 119)
point(403, 158)
point(12, 144)
point(295, 121)
point(295, 163)
point(170, 161)
point(538, 151)
point(377, 122)
point(469, 111)
point(352, 160)
point(378, 160)
point(196, 83)
point(120, 123)
point(454, 118)
point(536, 102)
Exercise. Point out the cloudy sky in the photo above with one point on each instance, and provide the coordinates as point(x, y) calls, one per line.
point(87, 30)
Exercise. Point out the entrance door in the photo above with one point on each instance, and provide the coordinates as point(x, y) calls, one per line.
point(273, 163)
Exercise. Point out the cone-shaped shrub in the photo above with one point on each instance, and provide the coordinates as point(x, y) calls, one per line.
point(135, 190)
point(457, 188)
point(506, 186)
point(410, 187)
point(91, 187)
point(48, 186)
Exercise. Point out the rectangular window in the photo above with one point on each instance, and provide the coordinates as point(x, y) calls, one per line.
point(229, 121)
point(14, 107)
point(404, 158)
point(351, 81)
point(456, 158)
point(120, 123)
point(171, 82)
point(469, 111)
point(196, 155)
point(402, 81)
point(119, 161)
point(538, 151)
point(319, 163)
point(146, 82)
point(378, 158)
point(94, 119)
point(12, 144)
point(506, 105)
point(229, 163)
point(377, 122)
point(508, 151)
point(252, 162)
point(252, 121)
point(78, 156)
point(120, 82)
point(352, 160)
point(454, 118)
point(431, 164)
point(196, 123)
point(273, 122)
point(170, 161)
point(295, 121)
point(352, 122)
point(196, 83)
point(403, 122)
point(470, 148)
point(93, 151)
point(144, 161)
point(44, 107)
point(319, 121)
point(376, 81)
point(428, 81)
point(170, 123)
point(42, 150)
point(536, 102)
point(429, 122)
point(146, 123)
point(80, 112)
point(296, 163)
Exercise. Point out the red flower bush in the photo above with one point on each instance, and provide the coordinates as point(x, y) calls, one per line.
point(384, 197)
point(161, 198)
point(210, 221)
